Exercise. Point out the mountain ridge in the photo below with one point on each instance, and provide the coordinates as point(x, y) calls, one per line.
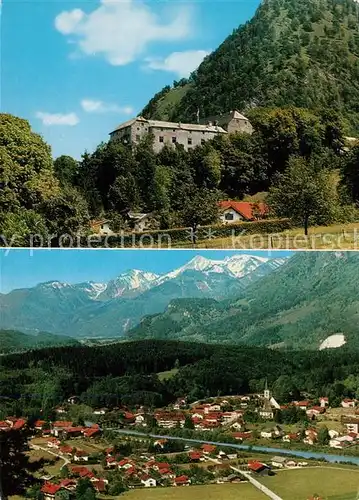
point(302, 53)
point(117, 306)
point(305, 302)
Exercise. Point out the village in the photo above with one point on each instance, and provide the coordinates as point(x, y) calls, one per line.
point(108, 452)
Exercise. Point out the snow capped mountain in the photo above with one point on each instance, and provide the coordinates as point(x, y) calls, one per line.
point(110, 309)
point(236, 266)
point(55, 285)
point(133, 280)
point(92, 289)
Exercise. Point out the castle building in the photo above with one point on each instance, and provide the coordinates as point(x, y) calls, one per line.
point(188, 134)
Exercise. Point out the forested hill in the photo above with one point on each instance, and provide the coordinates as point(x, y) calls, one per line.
point(11, 341)
point(303, 303)
point(35, 382)
point(293, 52)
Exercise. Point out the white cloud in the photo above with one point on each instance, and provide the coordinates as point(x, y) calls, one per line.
point(92, 106)
point(182, 63)
point(121, 30)
point(70, 119)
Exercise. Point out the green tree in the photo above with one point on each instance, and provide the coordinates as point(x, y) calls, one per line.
point(16, 470)
point(305, 193)
point(350, 174)
point(188, 424)
point(85, 490)
point(26, 169)
point(323, 435)
point(123, 193)
point(66, 213)
point(66, 169)
point(201, 209)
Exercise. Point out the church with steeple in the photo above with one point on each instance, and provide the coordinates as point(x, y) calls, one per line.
point(269, 404)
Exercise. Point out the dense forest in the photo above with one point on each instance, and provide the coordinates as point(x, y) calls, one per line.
point(293, 52)
point(127, 374)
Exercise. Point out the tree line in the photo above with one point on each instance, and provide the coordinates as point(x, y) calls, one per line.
point(126, 374)
point(296, 156)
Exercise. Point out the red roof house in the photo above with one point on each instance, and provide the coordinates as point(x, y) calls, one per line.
point(256, 466)
point(234, 211)
point(49, 490)
point(182, 481)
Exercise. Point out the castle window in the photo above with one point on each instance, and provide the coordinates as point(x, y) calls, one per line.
point(189, 140)
point(160, 138)
point(138, 137)
point(174, 140)
point(228, 216)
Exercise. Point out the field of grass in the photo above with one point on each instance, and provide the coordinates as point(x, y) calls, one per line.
point(81, 444)
point(329, 483)
point(167, 375)
point(340, 236)
point(244, 491)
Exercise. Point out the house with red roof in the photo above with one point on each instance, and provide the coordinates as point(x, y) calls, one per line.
point(68, 484)
point(111, 462)
point(53, 443)
point(19, 424)
point(4, 426)
point(208, 448)
point(65, 450)
point(100, 485)
point(125, 464)
point(91, 432)
point(182, 481)
point(241, 211)
point(314, 411)
point(348, 403)
point(59, 427)
point(81, 471)
point(49, 490)
point(39, 424)
point(257, 467)
point(242, 435)
point(195, 455)
point(324, 401)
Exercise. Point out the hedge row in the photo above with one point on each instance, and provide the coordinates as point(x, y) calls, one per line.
point(173, 237)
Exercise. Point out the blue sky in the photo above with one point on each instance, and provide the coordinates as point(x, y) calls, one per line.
point(22, 268)
point(76, 69)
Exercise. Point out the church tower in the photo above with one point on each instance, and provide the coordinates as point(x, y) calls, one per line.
point(266, 391)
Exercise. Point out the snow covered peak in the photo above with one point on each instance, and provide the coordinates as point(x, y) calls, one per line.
point(131, 280)
point(56, 285)
point(92, 289)
point(235, 266)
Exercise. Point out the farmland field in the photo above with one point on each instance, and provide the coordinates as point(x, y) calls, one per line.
point(244, 491)
point(330, 483)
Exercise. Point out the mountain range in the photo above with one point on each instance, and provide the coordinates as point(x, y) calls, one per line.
point(311, 302)
point(303, 53)
point(98, 310)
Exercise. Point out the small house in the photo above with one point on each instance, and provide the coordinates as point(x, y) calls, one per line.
point(241, 211)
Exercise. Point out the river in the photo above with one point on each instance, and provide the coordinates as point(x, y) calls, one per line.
point(329, 457)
